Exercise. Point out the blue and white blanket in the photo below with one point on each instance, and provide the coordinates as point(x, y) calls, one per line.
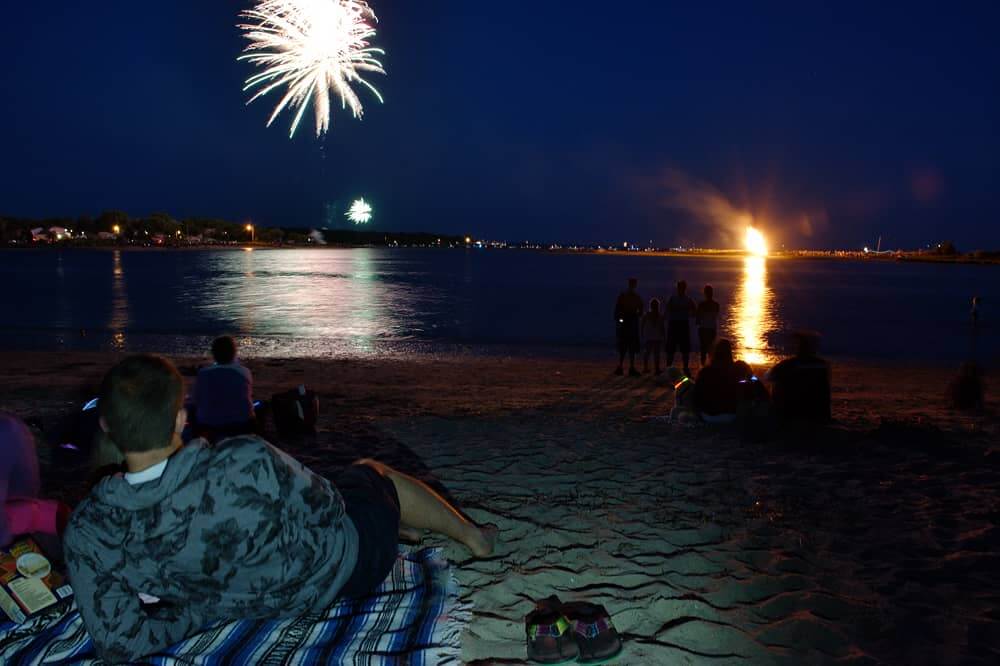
point(415, 617)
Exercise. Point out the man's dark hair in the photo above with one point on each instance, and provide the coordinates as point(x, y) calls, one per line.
point(224, 350)
point(709, 291)
point(139, 401)
point(682, 287)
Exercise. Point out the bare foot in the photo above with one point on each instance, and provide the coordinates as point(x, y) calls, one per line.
point(482, 539)
point(410, 534)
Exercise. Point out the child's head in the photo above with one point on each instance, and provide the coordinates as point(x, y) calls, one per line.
point(654, 305)
point(708, 291)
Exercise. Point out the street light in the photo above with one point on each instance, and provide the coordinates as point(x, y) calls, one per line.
point(116, 229)
point(251, 230)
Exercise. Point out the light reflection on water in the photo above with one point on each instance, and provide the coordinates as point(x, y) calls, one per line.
point(337, 296)
point(753, 313)
point(371, 301)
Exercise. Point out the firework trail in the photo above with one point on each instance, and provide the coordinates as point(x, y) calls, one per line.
point(360, 212)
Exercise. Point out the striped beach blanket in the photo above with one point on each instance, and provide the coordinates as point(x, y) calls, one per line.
point(415, 617)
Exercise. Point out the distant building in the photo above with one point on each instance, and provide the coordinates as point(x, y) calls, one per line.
point(106, 235)
point(59, 233)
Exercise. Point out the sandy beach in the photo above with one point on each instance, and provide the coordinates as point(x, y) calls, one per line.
point(877, 543)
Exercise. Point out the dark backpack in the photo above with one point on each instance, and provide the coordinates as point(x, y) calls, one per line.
point(295, 412)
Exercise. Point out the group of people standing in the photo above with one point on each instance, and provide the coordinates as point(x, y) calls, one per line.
point(668, 330)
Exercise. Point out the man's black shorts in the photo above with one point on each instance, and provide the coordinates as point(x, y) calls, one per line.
point(371, 501)
point(628, 335)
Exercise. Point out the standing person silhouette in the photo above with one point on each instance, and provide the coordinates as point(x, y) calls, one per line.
point(680, 309)
point(707, 320)
point(628, 311)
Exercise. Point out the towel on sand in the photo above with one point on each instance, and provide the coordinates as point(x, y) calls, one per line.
point(414, 617)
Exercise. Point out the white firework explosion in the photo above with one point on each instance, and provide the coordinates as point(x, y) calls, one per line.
point(360, 212)
point(317, 48)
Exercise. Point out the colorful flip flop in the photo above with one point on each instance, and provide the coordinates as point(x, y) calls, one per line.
point(595, 635)
point(549, 634)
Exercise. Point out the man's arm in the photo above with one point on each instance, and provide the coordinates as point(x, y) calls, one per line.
point(120, 627)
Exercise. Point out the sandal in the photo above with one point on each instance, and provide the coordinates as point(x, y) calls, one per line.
point(549, 634)
point(595, 635)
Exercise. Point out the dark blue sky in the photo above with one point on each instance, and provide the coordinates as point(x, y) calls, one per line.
point(590, 121)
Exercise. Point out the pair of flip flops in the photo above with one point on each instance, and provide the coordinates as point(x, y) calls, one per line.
point(577, 631)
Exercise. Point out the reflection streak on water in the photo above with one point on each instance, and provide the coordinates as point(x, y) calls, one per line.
point(753, 312)
point(335, 295)
point(119, 302)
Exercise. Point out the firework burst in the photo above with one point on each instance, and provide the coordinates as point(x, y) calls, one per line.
point(313, 48)
point(360, 212)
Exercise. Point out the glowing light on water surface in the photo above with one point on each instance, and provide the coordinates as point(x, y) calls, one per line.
point(753, 312)
point(317, 49)
point(360, 212)
point(756, 243)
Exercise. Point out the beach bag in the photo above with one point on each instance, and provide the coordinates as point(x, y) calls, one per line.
point(295, 412)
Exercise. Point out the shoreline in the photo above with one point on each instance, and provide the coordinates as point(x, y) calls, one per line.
point(874, 542)
point(799, 255)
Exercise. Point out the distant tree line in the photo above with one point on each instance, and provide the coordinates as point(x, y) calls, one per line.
point(115, 227)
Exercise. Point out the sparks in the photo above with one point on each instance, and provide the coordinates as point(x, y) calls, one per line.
point(755, 242)
point(360, 212)
point(317, 48)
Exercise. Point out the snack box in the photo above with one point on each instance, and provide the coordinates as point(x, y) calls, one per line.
point(29, 582)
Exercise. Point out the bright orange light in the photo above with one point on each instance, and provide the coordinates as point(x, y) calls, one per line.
point(249, 227)
point(468, 239)
point(116, 229)
point(755, 242)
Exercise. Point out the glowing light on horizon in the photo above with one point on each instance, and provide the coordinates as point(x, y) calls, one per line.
point(317, 48)
point(756, 243)
point(360, 212)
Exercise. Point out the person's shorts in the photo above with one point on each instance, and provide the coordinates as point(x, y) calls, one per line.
point(371, 502)
point(678, 335)
point(628, 336)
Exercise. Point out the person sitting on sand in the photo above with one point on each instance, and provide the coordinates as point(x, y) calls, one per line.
point(680, 309)
point(683, 411)
point(717, 391)
point(21, 511)
point(197, 534)
point(223, 395)
point(707, 320)
point(800, 386)
point(628, 310)
point(653, 333)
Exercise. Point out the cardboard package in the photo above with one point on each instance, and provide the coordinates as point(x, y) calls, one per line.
point(29, 582)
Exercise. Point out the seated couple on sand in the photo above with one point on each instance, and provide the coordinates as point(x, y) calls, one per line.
point(194, 534)
point(800, 387)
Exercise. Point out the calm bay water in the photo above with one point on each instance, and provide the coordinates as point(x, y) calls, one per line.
point(358, 302)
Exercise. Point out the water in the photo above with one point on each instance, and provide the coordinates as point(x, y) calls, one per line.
point(359, 302)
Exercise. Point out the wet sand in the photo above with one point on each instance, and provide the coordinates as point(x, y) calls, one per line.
point(877, 543)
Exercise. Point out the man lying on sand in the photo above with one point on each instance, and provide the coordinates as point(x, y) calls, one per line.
point(195, 534)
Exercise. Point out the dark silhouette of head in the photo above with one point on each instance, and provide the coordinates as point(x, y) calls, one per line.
point(682, 287)
point(806, 343)
point(632, 284)
point(654, 305)
point(224, 350)
point(722, 353)
point(708, 291)
point(139, 403)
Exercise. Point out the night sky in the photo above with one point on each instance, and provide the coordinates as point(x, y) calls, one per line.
point(567, 121)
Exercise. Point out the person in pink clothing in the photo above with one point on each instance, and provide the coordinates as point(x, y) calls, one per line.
point(23, 512)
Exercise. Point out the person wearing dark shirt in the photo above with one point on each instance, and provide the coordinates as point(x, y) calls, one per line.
point(628, 312)
point(680, 309)
point(223, 395)
point(800, 386)
point(717, 391)
point(707, 320)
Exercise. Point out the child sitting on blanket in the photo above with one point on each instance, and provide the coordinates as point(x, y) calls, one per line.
point(197, 534)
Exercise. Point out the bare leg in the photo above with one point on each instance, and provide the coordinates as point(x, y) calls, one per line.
point(422, 508)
